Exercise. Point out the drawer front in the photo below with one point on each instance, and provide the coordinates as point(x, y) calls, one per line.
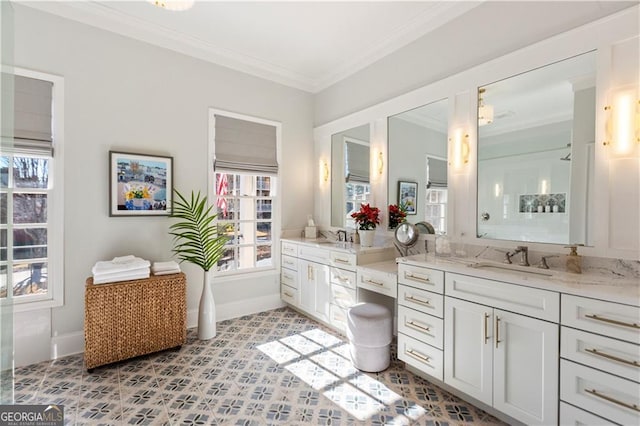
point(343, 260)
point(420, 326)
point(290, 249)
point(289, 294)
point(600, 393)
point(338, 318)
point(529, 301)
point(606, 318)
point(603, 353)
point(378, 282)
point(420, 300)
point(288, 277)
point(343, 277)
point(422, 278)
point(572, 416)
point(342, 296)
point(289, 262)
point(421, 356)
point(313, 254)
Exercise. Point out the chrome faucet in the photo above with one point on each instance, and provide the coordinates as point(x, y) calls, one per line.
point(342, 235)
point(524, 255)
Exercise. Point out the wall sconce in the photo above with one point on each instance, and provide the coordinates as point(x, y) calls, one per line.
point(623, 123)
point(460, 149)
point(324, 171)
point(380, 163)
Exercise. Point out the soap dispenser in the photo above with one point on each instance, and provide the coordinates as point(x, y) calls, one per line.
point(573, 260)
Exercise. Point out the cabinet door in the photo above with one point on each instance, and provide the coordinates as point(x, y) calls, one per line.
point(525, 368)
point(322, 287)
point(307, 290)
point(468, 348)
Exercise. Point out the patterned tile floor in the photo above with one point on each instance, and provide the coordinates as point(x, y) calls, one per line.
point(274, 367)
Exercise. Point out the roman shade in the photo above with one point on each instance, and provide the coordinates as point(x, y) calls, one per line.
point(437, 173)
point(32, 115)
point(357, 162)
point(245, 146)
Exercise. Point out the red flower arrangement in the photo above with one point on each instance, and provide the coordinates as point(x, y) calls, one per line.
point(367, 217)
point(397, 215)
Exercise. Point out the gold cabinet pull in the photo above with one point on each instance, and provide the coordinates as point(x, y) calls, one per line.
point(612, 357)
point(286, 293)
point(486, 328)
point(368, 281)
point(310, 272)
point(343, 261)
point(417, 355)
point(612, 321)
point(417, 326)
point(411, 276)
point(412, 298)
point(497, 330)
point(600, 395)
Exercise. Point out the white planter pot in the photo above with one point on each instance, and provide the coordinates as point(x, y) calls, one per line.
point(366, 237)
point(206, 312)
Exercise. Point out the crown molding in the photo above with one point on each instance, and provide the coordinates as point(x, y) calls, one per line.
point(102, 16)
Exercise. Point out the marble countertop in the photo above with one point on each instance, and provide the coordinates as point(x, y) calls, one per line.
point(386, 266)
point(345, 247)
point(610, 288)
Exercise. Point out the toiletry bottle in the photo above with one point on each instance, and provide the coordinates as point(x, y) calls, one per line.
point(573, 260)
point(547, 208)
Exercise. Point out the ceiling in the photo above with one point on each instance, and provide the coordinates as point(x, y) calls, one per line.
point(303, 44)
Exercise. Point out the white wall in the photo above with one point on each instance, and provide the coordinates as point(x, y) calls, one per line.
point(126, 95)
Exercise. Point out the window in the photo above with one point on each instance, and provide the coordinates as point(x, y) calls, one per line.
point(30, 198)
point(244, 184)
point(436, 209)
point(357, 193)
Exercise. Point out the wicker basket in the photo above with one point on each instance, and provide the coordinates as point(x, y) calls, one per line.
point(131, 318)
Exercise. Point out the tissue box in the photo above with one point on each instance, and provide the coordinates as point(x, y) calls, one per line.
point(310, 232)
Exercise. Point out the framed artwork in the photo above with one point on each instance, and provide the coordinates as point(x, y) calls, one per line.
point(140, 184)
point(408, 196)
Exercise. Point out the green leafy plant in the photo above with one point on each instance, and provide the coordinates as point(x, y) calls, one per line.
point(195, 236)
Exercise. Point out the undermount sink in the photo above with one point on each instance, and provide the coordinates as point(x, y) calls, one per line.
point(510, 268)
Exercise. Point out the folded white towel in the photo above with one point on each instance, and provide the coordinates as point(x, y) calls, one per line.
point(124, 259)
point(165, 266)
point(169, 272)
point(110, 266)
point(121, 277)
point(101, 275)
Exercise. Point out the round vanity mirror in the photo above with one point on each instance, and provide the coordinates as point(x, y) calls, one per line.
point(406, 236)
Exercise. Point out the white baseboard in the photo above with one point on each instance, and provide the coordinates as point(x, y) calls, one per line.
point(73, 343)
point(67, 344)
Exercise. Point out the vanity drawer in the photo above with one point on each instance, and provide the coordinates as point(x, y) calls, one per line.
point(342, 296)
point(529, 301)
point(606, 318)
point(573, 416)
point(290, 262)
point(378, 281)
point(288, 277)
point(420, 326)
point(313, 254)
point(343, 260)
point(289, 249)
point(603, 353)
point(603, 394)
point(338, 317)
point(421, 356)
point(289, 294)
point(421, 300)
point(422, 278)
point(342, 277)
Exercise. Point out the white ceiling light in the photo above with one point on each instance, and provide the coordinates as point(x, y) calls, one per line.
point(485, 112)
point(175, 5)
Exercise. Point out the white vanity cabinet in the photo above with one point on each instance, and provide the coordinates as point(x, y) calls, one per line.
point(496, 354)
point(600, 361)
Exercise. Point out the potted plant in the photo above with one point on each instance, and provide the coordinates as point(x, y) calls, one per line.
point(196, 240)
point(366, 219)
point(397, 215)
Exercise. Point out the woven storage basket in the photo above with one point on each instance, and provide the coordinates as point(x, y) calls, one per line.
point(131, 318)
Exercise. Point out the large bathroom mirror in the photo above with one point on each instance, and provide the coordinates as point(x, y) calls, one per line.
point(350, 183)
point(536, 134)
point(418, 164)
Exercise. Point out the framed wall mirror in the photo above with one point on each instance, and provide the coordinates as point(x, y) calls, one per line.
point(536, 135)
point(418, 153)
point(350, 182)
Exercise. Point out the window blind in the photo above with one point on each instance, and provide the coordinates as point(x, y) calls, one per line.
point(32, 115)
point(437, 173)
point(357, 162)
point(245, 146)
